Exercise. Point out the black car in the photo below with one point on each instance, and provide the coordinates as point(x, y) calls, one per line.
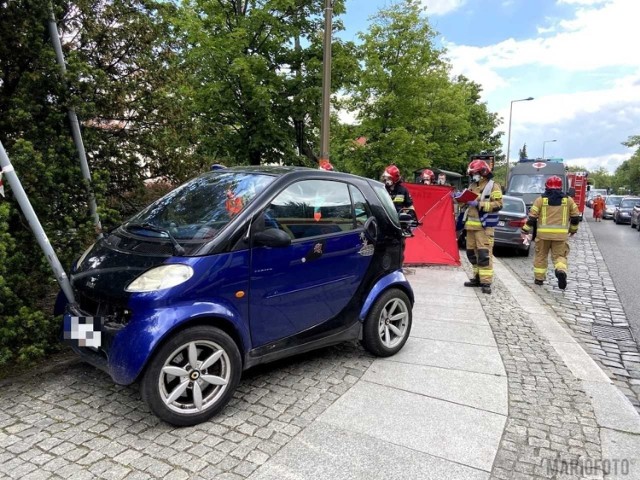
point(624, 210)
point(513, 216)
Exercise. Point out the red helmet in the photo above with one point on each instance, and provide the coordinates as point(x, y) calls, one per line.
point(391, 173)
point(325, 165)
point(427, 175)
point(479, 166)
point(553, 183)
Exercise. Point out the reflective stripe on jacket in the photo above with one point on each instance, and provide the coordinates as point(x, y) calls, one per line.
point(553, 222)
point(492, 205)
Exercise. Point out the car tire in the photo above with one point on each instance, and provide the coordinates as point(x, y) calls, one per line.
point(189, 399)
point(383, 335)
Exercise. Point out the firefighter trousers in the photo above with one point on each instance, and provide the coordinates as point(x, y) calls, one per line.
point(559, 252)
point(480, 253)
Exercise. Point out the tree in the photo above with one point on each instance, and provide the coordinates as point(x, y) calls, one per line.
point(118, 70)
point(255, 89)
point(523, 152)
point(409, 110)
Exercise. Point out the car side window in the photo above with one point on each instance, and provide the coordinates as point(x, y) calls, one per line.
point(312, 207)
point(361, 207)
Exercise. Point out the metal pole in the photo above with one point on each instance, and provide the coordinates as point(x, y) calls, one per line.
point(506, 176)
point(34, 223)
point(75, 127)
point(544, 144)
point(509, 134)
point(326, 83)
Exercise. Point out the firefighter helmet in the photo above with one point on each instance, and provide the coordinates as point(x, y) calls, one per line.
point(391, 173)
point(553, 183)
point(427, 175)
point(480, 167)
point(326, 165)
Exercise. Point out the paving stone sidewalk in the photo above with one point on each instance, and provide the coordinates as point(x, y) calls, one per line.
point(551, 422)
point(590, 306)
point(77, 424)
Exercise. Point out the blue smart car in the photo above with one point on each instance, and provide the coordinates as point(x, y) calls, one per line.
point(238, 267)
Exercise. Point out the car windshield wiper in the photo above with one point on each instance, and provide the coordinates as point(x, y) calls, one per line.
point(177, 248)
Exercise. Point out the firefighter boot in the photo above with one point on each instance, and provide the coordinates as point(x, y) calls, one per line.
point(486, 288)
point(538, 282)
point(474, 282)
point(562, 279)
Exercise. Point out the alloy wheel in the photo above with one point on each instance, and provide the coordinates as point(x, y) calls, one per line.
point(393, 322)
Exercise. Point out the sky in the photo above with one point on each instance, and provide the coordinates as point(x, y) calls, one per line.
point(575, 57)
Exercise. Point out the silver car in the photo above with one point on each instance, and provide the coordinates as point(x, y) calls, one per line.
point(610, 204)
point(513, 216)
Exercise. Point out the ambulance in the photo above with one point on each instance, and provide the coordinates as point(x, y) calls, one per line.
point(528, 176)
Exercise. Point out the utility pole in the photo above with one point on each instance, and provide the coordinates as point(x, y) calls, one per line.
point(34, 223)
point(75, 126)
point(326, 84)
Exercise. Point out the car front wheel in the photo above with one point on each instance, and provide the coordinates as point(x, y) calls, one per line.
point(388, 324)
point(192, 376)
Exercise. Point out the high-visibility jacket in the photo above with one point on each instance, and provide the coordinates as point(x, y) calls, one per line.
point(233, 205)
point(485, 205)
point(553, 222)
point(400, 197)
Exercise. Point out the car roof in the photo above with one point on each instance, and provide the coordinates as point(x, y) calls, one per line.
point(509, 197)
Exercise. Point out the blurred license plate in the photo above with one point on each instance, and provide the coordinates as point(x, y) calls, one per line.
point(501, 224)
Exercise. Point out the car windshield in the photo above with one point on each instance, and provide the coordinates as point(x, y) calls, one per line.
point(512, 205)
point(613, 201)
point(527, 183)
point(199, 209)
point(629, 202)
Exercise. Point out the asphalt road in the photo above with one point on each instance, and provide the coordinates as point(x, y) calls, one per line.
point(620, 247)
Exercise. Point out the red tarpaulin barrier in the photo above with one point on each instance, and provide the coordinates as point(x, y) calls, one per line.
point(434, 242)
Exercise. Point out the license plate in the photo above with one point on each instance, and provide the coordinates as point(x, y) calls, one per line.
point(83, 331)
point(501, 224)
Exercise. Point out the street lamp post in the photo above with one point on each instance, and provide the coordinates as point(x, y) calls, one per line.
point(509, 133)
point(544, 143)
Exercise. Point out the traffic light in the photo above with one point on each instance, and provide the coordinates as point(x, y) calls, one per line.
point(487, 157)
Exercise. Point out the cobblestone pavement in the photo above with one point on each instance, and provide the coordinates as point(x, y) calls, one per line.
point(77, 424)
point(591, 307)
point(551, 424)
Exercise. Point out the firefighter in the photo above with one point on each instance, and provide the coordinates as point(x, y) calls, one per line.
point(398, 192)
point(479, 219)
point(555, 216)
point(427, 177)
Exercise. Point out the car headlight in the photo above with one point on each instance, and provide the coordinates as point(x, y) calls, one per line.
point(164, 276)
point(83, 256)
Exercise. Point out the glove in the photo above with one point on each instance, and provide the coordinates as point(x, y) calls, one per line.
point(473, 203)
point(526, 238)
point(456, 194)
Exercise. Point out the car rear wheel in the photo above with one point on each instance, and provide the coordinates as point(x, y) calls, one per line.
point(192, 376)
point(388, 324)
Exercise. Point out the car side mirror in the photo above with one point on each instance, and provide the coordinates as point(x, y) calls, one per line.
point(405, 218)
point(371, 229)
point(272, 237)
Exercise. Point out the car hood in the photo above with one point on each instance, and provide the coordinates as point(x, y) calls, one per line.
point(106, 270)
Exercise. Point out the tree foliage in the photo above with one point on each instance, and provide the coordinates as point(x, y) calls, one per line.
point(408, 108)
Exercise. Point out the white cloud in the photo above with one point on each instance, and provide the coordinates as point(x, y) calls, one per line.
point(609, 162)
point(582, 2)
point(442, 7)
point(596, 37)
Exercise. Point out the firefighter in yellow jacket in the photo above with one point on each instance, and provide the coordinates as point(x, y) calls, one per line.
point(555, 216)
point(480, 217)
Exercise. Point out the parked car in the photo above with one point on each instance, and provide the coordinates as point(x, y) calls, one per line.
point(513, 216)
point(624, 209)
point(610, 204)
point(635, 216)
point(235, 268)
